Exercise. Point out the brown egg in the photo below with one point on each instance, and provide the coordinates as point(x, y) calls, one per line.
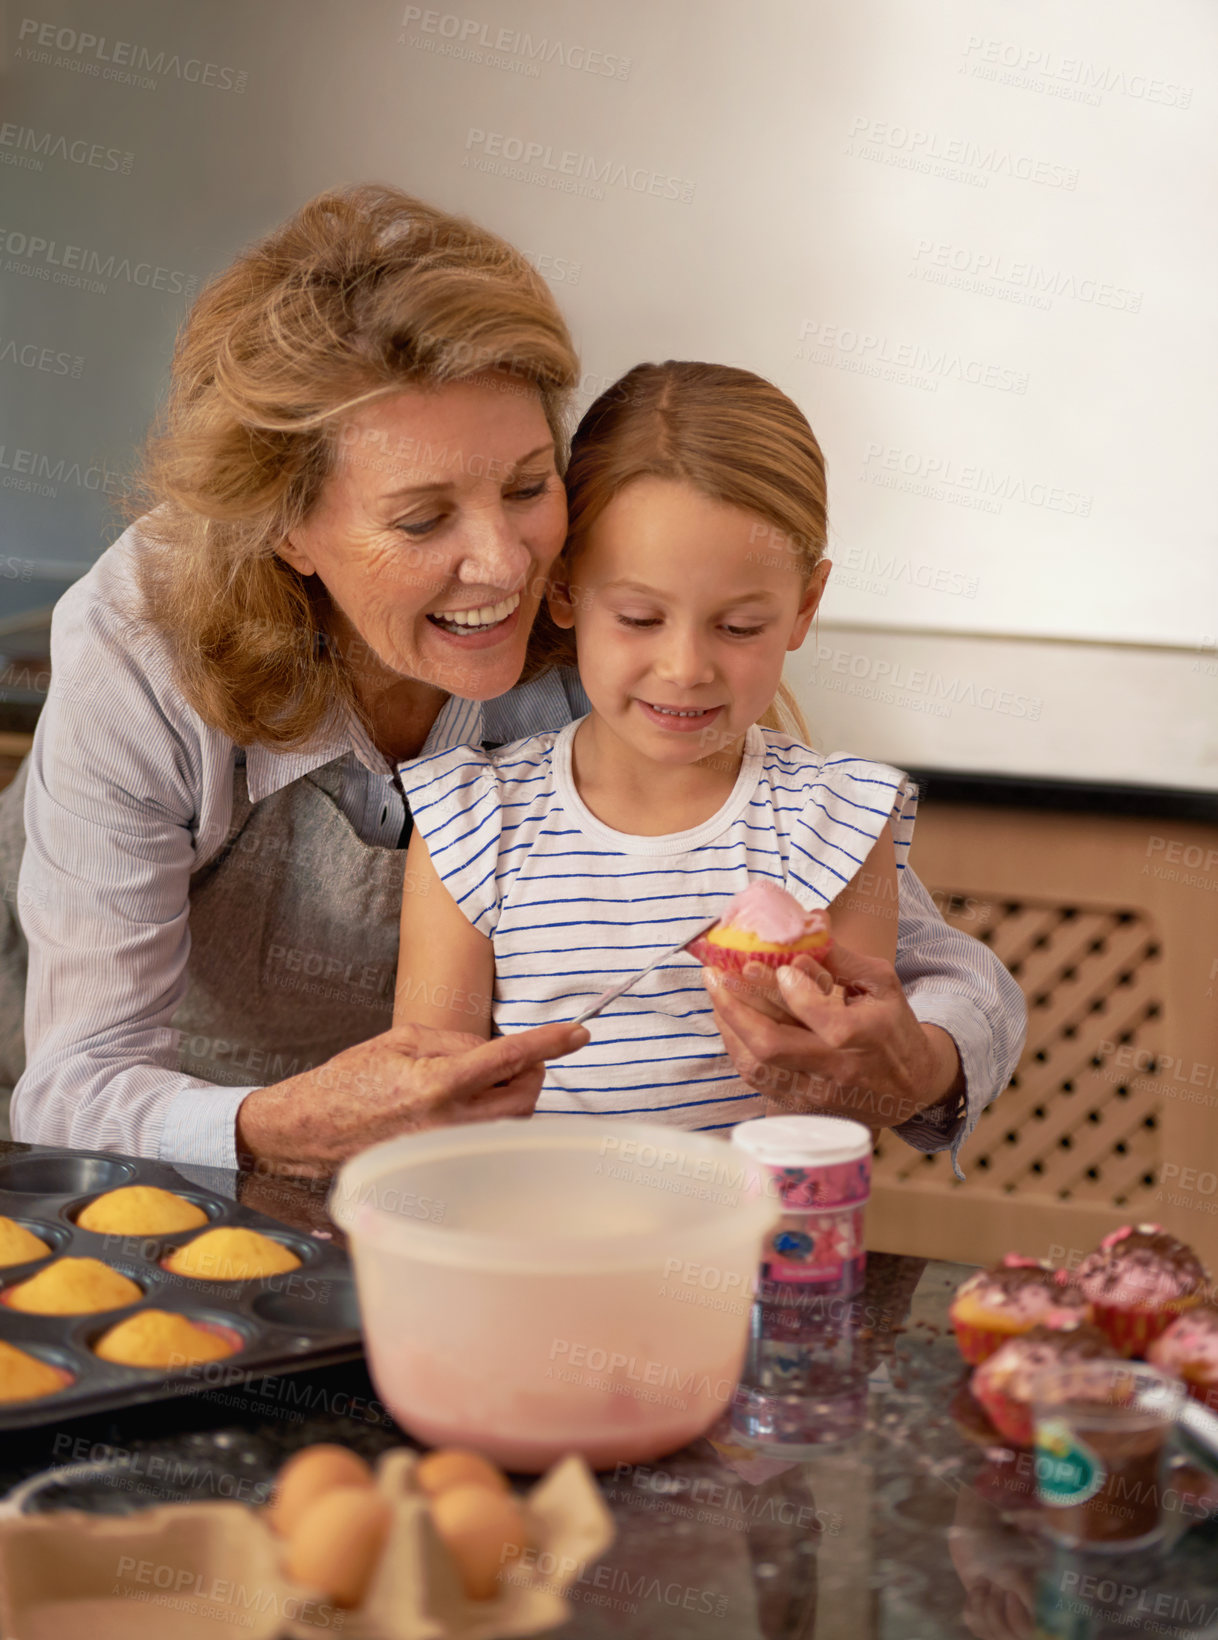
point(337, 1542)
point(309, 1475)
point(450, 1466)
point(478, 1527)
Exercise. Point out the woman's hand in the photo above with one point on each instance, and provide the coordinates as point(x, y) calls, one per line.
point(849, 1044)
point(406, 1080)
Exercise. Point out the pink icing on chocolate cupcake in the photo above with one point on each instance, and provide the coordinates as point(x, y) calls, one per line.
point(1027, 1292)
point(1141, 1267)
point(994, 1305)
point(1004, 1383)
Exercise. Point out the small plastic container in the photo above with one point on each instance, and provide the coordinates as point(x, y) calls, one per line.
point(1102, 1444)
point(560, 1285)
point(818, 1169)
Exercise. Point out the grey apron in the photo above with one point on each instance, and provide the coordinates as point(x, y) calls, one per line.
point(294, 937)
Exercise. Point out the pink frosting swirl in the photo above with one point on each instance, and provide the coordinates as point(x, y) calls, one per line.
point(769, 912)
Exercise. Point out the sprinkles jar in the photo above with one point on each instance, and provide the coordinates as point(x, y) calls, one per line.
point(819, 1168)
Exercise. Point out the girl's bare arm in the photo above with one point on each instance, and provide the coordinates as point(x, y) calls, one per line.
point(446, 968)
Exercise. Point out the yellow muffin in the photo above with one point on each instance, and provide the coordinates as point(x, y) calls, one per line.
point(230, 1254)
point(157, 1338)
point(72, 1286)
point(24, 1377)
point(19, 1245)
point(140, 1210)
point(743, 939)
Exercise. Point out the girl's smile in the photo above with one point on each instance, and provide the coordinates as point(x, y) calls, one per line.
point(681, 720)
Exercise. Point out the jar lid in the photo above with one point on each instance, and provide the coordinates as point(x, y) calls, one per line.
point(803, 1141)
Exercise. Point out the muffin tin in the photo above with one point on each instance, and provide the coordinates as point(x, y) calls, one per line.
point(306, 1317)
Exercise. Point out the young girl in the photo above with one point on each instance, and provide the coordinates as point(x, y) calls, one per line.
point(540, 872)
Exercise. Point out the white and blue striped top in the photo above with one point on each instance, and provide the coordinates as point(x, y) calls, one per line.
point(572, 905)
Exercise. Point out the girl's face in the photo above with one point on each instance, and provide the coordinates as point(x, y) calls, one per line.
point(683, 610)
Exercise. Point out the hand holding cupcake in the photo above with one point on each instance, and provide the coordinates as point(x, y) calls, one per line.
point(766, 926)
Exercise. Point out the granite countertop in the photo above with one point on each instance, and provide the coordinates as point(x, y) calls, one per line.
point(898, 1525)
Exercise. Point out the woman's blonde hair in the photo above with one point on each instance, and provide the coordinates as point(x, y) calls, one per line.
point(730, 434)
point(363, 292)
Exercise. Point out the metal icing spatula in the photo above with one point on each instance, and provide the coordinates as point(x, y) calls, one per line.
point(624, 985)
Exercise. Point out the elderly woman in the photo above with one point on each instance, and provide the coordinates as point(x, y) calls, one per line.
point(346, 524)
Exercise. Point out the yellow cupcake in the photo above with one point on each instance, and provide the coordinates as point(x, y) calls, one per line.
point(157, 1338)
point(24, 1377)
point(19, 1245)
point(743, 939)
point(72, 1286)
point(231, 1254)
point(140, 1210)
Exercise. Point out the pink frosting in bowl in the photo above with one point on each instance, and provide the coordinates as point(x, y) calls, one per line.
point(771, 914)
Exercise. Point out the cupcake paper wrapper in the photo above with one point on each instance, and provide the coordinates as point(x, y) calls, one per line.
point(976, 1344)
point(735, 962)
point(1011, 1418)
point(1131, 1330)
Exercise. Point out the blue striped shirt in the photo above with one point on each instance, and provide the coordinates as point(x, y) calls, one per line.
point(572, 905)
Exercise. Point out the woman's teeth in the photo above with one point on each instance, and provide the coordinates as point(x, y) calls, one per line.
point(463, 620)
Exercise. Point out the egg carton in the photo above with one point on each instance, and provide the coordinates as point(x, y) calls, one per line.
point(179, 1570)
point(307, 1317)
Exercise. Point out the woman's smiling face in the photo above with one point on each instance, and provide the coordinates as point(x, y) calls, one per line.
point(684, 609)
point(434, 532)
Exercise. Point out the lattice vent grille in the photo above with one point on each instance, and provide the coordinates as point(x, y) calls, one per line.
point(1072, 1125)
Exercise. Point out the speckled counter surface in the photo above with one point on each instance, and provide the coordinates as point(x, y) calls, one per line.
point(889, 1531)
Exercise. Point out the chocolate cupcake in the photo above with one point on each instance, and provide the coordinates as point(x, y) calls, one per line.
point(1188, 1349)
point(1003, 1384)
point(1016, 1295)
point(1138, 1281)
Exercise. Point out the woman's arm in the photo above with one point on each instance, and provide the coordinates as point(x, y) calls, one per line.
point(446, 968)
point(127, 791)
point(117, 789)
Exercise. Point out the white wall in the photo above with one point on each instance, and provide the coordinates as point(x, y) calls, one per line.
point(974, 240)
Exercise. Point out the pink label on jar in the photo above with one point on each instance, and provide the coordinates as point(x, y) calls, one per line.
point(814, 1188)
point(825, 1249)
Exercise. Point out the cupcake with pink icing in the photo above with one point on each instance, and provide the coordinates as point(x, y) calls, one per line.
point(1013, 1297)
point(762, 924)
point(1138, 1281)
point(1004, 1383)
point(1189, 1350)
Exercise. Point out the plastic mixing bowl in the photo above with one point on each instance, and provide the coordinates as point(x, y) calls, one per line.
point(556, 1285)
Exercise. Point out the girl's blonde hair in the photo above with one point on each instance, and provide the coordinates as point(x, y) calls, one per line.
point(733, 436)
point(363, 292)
